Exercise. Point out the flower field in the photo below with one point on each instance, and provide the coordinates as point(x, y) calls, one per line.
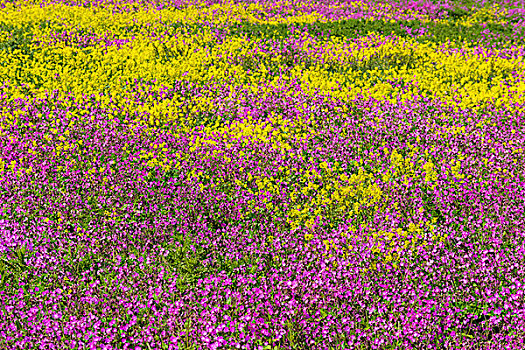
point(186, 174)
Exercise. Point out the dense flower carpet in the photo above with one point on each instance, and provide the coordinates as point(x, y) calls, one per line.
point(179, 174)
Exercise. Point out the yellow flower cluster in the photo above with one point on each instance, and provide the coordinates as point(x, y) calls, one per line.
point(339, 196)
point(342, 69)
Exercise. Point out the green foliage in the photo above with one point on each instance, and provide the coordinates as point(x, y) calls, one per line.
point(356, 28)
point(18, 38)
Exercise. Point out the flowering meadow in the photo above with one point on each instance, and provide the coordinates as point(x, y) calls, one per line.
point(187, 174)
